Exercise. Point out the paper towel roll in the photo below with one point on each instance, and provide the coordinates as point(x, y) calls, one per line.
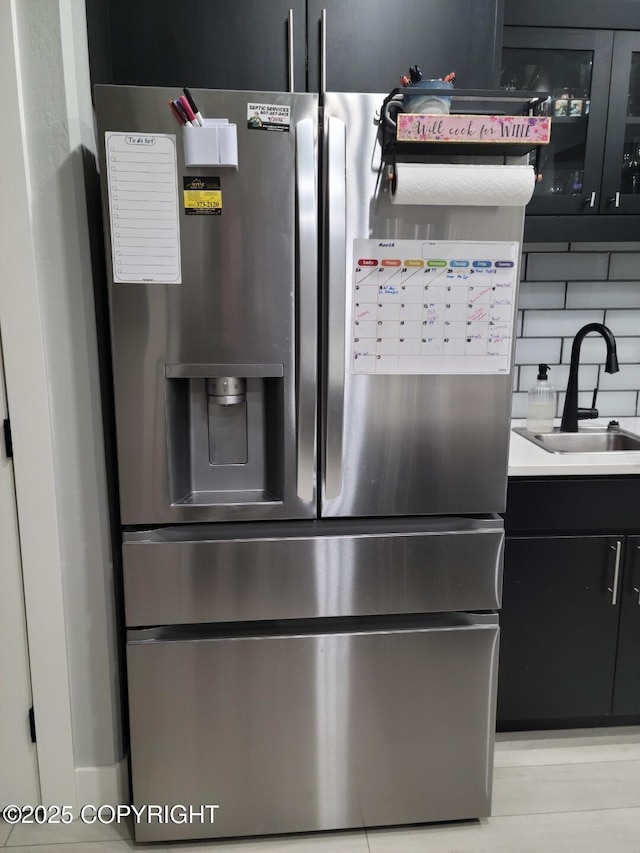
point(462, 184)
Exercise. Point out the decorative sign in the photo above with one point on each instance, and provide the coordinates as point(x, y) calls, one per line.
point(433, 306)
point(414, 127)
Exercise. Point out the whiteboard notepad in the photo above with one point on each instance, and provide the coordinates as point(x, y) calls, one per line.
point(143, 207)
point(441, 306)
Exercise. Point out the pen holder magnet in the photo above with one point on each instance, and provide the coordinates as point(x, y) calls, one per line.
point(215, 144)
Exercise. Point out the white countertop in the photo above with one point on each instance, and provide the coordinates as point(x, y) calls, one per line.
point(526, 459)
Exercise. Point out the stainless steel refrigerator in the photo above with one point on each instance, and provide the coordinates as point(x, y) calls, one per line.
point(311, 547)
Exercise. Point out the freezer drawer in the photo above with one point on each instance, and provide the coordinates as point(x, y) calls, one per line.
point(314, 731)
point(228, 574)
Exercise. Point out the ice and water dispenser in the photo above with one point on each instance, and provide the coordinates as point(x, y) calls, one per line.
point(225, 433)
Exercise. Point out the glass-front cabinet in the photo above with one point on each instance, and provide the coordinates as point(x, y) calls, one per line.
point(592, 164)
point(630, 177)
point(621, 182)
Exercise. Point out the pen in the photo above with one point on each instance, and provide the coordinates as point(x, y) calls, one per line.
point(175, 112)
point(189, 111)
point(193, 106)
point(185, 118)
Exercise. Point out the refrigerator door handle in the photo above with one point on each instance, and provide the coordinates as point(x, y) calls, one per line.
point(307, 314)
point(337, 251)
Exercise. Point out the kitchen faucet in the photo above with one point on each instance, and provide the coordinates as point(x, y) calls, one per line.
point(572, 414)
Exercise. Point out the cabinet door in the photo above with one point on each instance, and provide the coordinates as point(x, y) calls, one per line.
point(574, 67)
point(229, 44)
point(626, 696)
point(369, 47)
point(621, 185)
point(559, 627)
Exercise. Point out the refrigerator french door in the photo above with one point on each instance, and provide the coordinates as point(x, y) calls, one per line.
point(311, 553)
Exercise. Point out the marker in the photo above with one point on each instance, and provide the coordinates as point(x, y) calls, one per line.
point(189, 111)
point(176, 114)
point(193, 106)
point(182, 113)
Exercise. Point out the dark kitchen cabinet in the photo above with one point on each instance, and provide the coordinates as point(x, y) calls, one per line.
point(590, 187)
point(244, 44)
point(558, 628)
point(206, 44)
point(369, 45)
point(626, 694)
point(621, 175)
point(570, 618)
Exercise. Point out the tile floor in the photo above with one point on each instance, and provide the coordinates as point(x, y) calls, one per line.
point(554, 792)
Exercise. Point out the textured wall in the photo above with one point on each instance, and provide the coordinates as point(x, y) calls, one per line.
point(564, 287)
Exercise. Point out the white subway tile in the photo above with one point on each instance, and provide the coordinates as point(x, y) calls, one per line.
point(541, 294)
point(626, 379)
point(519, 406)
point(602, 294)
point(625, 265)
point(628, 350)
point(623, 322)
point(594, 350)
point(558, 323)
point(559, 376)
point(585, 399)
point(610, 404)
point(568, 266)
point(538, 350)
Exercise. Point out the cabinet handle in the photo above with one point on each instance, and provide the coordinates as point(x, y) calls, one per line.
point(615, 200)
point(290, 53)
point(323, 51)
point(591, 199)
point(636, 588)
point(616, 573)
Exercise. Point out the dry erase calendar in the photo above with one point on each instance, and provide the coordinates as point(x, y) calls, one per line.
point(143, 207)
point(433, 306)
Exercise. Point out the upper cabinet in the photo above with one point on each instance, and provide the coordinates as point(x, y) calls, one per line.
point(370, 44)
point(204, 44)
point(590, 186)
point(592, 164)
point(364, 46)
point(574, 66)
point(621, 177)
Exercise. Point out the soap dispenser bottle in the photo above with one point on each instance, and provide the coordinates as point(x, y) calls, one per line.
point(541, 407)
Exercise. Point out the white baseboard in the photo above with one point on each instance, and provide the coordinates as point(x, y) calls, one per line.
point(101, 786)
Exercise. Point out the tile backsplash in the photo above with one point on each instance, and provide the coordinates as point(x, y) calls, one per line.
point(563, 287)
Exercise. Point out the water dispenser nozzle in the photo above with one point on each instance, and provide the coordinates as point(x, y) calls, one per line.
point(226, 390)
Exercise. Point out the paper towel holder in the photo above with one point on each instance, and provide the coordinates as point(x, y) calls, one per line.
point(517, 130)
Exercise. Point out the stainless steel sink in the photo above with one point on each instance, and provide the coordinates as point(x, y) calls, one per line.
point(584, 441)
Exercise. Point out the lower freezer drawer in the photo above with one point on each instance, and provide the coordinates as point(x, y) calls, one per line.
point(314, 731)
